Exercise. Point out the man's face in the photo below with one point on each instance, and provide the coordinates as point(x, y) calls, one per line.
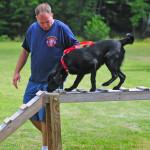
point(45, 20)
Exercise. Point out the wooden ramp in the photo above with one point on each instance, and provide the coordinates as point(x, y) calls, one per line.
point(51, 101)
point(25, 111)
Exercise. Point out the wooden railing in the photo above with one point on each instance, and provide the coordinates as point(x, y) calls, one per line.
point(51, 101)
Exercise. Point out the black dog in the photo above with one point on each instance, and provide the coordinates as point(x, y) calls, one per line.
point(88, 60)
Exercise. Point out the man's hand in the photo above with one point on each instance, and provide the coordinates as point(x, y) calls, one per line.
point(15, 80)
point(21, 62)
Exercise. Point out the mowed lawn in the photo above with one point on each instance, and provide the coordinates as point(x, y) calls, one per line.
point(85, 126)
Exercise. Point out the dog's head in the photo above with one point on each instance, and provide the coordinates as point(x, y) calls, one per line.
point(56, 78)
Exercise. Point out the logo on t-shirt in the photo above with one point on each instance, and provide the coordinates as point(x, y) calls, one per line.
point(51, 41)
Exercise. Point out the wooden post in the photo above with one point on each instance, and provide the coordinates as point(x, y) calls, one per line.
point(53, 122)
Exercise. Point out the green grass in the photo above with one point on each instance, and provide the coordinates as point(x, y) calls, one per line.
point(85, 126)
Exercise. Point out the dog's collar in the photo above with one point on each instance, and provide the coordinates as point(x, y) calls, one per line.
point(74, 47)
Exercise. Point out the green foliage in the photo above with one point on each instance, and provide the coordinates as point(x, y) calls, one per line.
point(4, 38)
point(74, 13)
point(121, 15)
point(15, 16)
point(140, 10)
point(96, 28)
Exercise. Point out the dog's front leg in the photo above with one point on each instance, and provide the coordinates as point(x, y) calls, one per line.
point(76, 82)
point(93, 80)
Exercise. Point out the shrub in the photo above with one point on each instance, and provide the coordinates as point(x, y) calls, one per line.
point(4, 38)
point(96, 28)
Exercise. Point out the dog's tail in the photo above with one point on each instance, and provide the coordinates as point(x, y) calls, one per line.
point(129, 39)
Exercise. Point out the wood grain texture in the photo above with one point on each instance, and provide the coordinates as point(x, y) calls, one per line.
point(134, 94)
point(53, 123)
point(20, 117)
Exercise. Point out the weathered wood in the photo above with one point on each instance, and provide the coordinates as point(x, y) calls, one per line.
point(124, 89)
point(15, 121)
point(48, 125)
point(53, 123)
point(23, 106)
point(7, 120)
point(143, 88)
point(111, 95)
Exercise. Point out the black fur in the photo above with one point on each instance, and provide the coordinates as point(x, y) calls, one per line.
point(88, 60)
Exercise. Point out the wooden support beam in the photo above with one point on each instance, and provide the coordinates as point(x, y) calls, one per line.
point(53, 122)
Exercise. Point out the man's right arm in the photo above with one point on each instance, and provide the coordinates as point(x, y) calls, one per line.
point(21, 62)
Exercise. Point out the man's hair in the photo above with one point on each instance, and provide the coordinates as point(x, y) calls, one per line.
point(43, 7)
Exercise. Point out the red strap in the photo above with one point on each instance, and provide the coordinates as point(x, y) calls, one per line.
point(68, 50)
point(64, 65)
point(78, 46)
point(86, 43)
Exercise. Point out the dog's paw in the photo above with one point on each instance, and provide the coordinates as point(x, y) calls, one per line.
point(92, 89)
point(68, 89)
point(105, 84)
point(116, 88)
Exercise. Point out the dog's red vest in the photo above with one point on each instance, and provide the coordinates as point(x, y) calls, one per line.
point(78, 46)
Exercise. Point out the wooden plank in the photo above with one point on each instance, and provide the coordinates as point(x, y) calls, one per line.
point(17, 120)
point(16, 114)
point(143, 88)
point(2, 126)
point(132, 94)
point(102, 90)
point(39, 93)
point(135, 90)
point(53, 123)
point(124, 89)
point(23, 107)
point(7, 120)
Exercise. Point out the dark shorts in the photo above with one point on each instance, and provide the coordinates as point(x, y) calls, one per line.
point(30, 92)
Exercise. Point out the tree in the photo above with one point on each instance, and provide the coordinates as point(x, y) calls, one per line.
point(74, 13)
point(96, 29)
point(121, 16)
point(140, 15)
point(15, 16)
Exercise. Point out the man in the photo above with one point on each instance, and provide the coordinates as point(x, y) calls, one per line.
point(45, 40)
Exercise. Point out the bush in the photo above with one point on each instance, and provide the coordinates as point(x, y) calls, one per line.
point(4, 38)
point(96, 29)
point(18, 38)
